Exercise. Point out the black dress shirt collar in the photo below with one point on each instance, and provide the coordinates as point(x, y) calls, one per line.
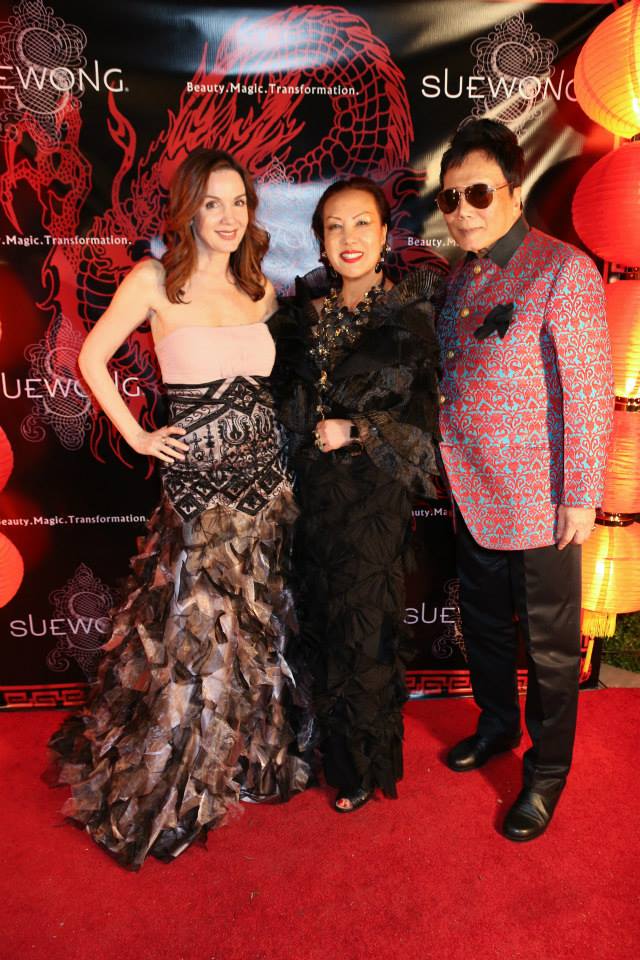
point(504, 248)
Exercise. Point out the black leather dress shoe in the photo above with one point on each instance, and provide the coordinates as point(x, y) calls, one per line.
point(530, 815)
point(473, 752)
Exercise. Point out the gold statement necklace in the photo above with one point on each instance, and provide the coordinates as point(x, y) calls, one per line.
point(337, 326)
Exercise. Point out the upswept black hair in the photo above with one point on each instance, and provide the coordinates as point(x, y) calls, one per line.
point(493, 138)
point(353, 183)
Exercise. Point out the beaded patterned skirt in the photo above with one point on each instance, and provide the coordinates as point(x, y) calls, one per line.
point(199, 701)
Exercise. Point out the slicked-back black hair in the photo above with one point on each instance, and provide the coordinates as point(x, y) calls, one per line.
point(490, 137)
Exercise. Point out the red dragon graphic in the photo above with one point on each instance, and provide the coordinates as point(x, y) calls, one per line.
point(370, 133)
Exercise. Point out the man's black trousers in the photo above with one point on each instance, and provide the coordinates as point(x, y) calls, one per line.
point(542, 589)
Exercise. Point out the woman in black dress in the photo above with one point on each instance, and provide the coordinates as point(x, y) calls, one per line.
point(356, 381)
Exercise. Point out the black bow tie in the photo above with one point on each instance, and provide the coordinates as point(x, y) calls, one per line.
point(496, 321)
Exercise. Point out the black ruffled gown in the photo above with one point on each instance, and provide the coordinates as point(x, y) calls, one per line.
point(193, 704)
point(352, 537)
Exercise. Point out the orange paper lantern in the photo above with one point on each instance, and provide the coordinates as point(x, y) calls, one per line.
point(611, 570)
point(607, 74)
point(622, 482)
point(623, 317)
point(606, 206)
point(11, 570)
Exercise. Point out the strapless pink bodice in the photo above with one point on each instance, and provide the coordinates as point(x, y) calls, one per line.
point(202, 354)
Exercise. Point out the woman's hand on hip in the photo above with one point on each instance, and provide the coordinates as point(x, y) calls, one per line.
point(332, 434)
point(162, 443)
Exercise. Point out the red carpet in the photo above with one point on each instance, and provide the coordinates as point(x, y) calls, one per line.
point(426, 877)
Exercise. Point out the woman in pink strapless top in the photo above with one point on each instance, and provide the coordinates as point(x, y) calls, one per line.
point(191, 710)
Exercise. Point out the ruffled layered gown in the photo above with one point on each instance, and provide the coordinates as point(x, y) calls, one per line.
point(194, 703)
point(352, 538)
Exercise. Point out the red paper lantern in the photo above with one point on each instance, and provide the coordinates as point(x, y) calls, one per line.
point(11, 563)
point(622, 482)
point(11, 570)
point(6, 459)
point(606, 206)
point(607, 74)
point(623, 317)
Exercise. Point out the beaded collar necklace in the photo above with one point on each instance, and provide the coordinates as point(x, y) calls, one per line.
point(337, 325)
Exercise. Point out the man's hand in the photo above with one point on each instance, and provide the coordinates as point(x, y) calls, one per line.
point(575, 525)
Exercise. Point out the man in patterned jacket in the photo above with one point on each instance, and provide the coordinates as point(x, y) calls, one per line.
point(526, 410)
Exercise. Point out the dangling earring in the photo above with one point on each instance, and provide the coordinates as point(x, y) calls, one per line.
point(331, 273)
point(383, 253)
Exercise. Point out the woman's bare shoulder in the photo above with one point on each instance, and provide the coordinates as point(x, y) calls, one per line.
point(147, 280)
point(149, 271)
point(270, 299)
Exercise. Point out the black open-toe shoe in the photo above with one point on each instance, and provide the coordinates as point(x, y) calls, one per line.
point(357, 800)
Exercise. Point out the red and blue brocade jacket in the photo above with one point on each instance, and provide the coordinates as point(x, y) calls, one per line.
point(525, 419)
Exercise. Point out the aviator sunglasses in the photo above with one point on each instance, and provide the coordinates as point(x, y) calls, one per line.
point(479, 195)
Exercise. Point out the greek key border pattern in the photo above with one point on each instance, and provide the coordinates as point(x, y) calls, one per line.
point(43, 696)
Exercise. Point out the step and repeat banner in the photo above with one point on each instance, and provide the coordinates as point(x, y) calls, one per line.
point(98, 105)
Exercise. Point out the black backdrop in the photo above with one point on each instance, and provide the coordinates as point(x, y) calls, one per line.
point(98, 104)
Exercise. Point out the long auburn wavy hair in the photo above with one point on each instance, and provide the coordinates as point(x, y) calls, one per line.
point(186, 192)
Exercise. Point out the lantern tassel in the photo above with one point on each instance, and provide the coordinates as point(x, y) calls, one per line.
point(597, 623)
point(586, 663)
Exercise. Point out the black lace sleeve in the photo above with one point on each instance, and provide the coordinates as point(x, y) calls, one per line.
point(292, 377)
point(387, 385)
point(400, 439)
